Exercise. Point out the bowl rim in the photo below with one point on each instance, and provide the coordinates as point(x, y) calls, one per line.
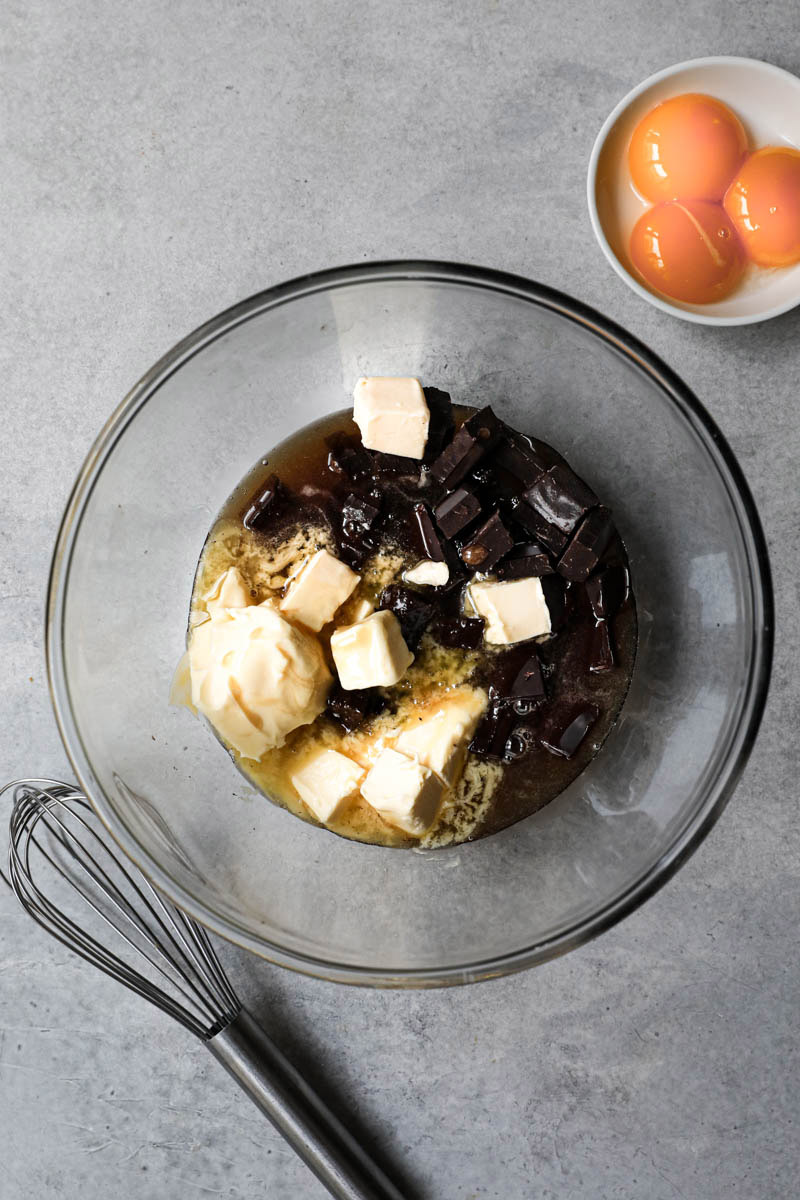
point(718, 790)
point(666, 306)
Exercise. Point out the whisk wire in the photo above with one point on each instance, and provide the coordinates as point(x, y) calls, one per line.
point(76, 938)
point(177, 950)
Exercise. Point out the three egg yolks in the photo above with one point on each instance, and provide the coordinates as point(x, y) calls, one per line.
point(713, 205)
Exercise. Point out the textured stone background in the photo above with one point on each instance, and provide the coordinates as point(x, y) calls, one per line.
point(162, 160)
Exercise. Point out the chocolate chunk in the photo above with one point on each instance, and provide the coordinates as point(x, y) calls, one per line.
point(346, 456)
point(479, 434)
point(456, 511)
point(522, 740)
point(353, 708)
point(533, 522)
point(359, 513)
point(354, 547)
point(601, 652)
point(428, 537)
point(566, 728)
point(493, 731)
point(561, 497)
point(265, 505)
point(459, 633)
point(516, 455)
point(412, 610)
point(487, 545)
point(526, 559)
point(608, 590)
point(384, 465)
point(440, 429)
point(556, 594)
point(516, 674)
point(484, 477)
point(587, 546)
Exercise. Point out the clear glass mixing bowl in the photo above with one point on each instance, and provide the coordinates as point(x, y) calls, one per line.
point(122, 575)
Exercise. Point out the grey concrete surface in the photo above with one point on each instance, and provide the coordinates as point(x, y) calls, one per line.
point(162, 160)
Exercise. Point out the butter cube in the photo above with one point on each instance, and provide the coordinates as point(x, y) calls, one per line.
point(392, 415)
point(327, 783)
point(404, 792)
point(316, 592)
point(439, 739)
point(228, 592)
point(371, 653)
point(513, 611)
point(428, 573)
point(363, 608)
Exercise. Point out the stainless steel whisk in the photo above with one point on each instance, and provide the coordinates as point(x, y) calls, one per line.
point(52, 825)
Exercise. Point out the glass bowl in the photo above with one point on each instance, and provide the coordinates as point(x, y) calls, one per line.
point(122, 576)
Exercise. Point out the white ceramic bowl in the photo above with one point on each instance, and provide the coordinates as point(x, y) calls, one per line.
point(767, 100)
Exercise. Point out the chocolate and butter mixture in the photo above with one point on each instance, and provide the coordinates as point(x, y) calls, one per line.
point(457, 621)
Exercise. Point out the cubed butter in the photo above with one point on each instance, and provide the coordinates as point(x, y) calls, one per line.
point(371, 653)
point(513, 611)
point(321, 586)
point(406, 793)
point(392, 415)
point(428, 573)
point(362, 609)
point(228, 592)
point(439, 738)
point(327, 783)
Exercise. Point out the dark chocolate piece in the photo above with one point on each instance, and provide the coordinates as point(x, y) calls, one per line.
point(456, 511)
point(517, 456)
point(346, 456)
point(393, 464)
point(354, 547)
point(428, 537)
point(353, 708)
point(567, 727)
point(587, 546)
point(601, 652)
point(484, 476)
point(561, 500)
point(608, 590)
point(525, 560)
point(493, 731)
point(522, 740)
point(516, 674)
point(459, 633)
point(440, 429)
point(556, 595)
point(265, 505)
point(412, 610)
point(487, 545)
point(479, 434)
point(359, 513)
point(533, 522)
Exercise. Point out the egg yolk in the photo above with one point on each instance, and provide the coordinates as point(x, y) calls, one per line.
point(764, 204)
point(688, 250)
point(689, 147)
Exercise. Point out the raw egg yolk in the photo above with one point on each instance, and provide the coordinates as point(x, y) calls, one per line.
point(764, 204)
point(688, 250)
point(689, 146)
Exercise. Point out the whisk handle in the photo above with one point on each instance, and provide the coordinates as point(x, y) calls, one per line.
point(307, 1124)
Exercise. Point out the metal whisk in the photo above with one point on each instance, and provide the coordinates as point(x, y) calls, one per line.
point(55, 833)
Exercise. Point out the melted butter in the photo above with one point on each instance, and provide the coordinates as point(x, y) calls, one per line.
point(436, 673)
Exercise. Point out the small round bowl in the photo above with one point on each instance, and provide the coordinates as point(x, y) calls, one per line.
point(122, 577)
point(767, 100)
